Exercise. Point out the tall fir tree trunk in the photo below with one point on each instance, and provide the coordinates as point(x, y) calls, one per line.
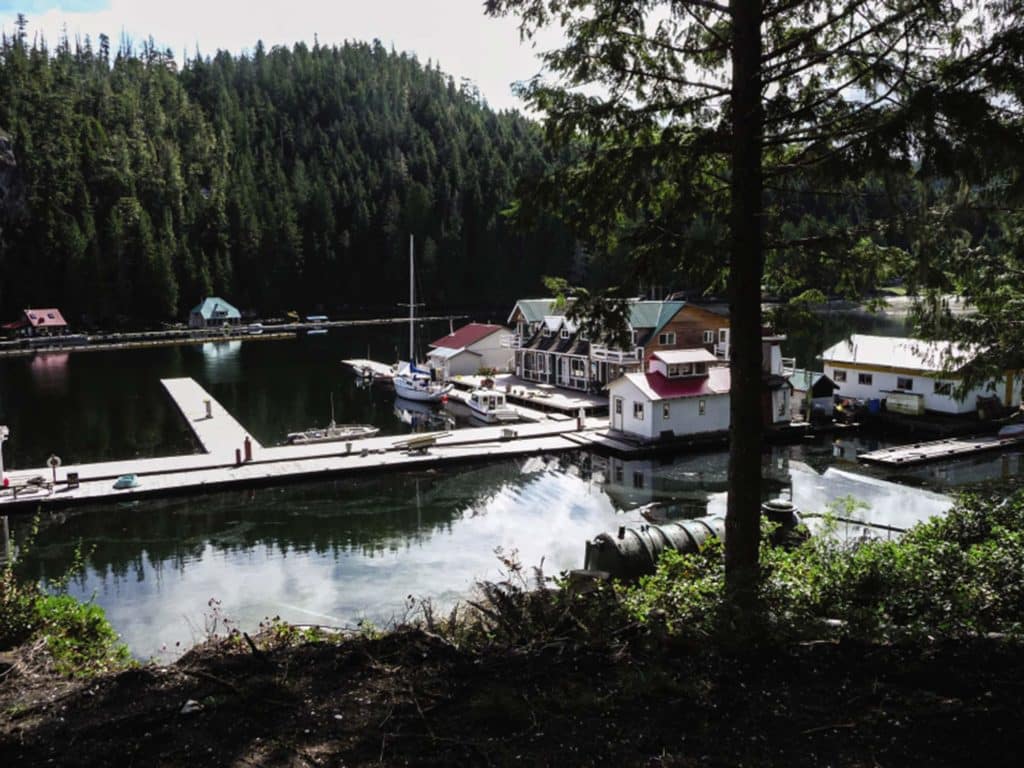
point(742, 523)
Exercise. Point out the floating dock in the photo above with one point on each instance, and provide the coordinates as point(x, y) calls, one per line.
point(223, 439)
point(938, 450)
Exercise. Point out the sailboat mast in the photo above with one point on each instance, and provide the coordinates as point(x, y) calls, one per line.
point(412, 303)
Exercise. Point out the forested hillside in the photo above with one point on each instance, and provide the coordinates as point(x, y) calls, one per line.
point(281, 179)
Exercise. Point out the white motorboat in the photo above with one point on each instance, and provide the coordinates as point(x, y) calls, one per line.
point(490, 406)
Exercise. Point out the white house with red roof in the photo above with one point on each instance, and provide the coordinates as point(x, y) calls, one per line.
point(470, 348)
point(683, 392)
point(39, 322)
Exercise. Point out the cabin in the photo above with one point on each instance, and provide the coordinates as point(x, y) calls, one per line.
point(213, 312)
point(911, 376)
point(683, 392)
point(813, 393)
point(549, 348)
point(35, 323)
point(471, 348)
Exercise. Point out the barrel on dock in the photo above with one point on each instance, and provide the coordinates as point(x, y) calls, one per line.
point(634, 552)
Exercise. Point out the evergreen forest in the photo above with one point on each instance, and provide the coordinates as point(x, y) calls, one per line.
point(280, 179)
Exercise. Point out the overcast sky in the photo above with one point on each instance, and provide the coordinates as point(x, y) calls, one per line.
point(455, 33)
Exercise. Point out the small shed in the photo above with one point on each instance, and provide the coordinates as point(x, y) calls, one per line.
point(213, 312)
point(813, 392)
point(472, 347)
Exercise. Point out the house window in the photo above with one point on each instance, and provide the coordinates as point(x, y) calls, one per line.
point(723, 335)
point(579, 367)
point(673, 370)
point(638, 411)
point(943, 388)
point(905, 383)
point(839, 377)
point(865, 378)
point(633, 335)
point(702, 407)
point(618, 474)
point(685, 369)
point(709, 337)
point(638, 479)
point(565, 333)
point(547, 332)
point(666, 411)
point(618, 405)
point(639, 353)
point(667, 339)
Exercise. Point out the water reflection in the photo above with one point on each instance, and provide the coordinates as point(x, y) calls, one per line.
point(49, 371)
point(334, 552)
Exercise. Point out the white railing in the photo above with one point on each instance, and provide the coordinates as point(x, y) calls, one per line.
point(515, 341)
point(722, 350)
point(603, 354)
point(788, 364)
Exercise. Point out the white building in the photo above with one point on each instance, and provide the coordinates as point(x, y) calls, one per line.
point(683, 392)
point(912, 376)
point(471, 348)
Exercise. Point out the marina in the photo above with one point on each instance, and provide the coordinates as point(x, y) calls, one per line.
point(232, 457)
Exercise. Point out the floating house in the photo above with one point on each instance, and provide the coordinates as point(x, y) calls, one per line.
point(471, 348)
point(213, 312)
point(911, 376)
point(683, 392)
point(38, 322)
point(549, 348)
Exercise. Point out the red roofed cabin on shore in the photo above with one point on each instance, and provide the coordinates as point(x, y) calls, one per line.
point(38, 322)
point(470, 348)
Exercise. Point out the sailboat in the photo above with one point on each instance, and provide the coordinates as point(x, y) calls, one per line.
point(332, 432)
point(411, 382)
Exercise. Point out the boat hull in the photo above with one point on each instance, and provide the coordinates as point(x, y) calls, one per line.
point(423, 392)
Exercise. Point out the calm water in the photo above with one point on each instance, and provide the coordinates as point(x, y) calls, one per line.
point(335, 552)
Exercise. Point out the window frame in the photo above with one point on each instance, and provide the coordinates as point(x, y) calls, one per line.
point(866, 379)
point(908, 380)
point(667, 339)
point(839, 375)
point(638, 410)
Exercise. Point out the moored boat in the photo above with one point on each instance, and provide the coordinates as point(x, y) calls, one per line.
point(490, 406)
point(332, 433)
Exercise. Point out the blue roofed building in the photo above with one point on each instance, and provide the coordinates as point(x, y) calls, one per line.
point(213, 312)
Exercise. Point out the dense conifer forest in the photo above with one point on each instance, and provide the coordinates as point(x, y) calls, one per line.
point(280, 179)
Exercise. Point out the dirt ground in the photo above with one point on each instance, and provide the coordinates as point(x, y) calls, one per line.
point(411, 698)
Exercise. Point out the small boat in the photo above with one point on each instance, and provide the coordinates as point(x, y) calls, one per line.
point(316, 331)
point(332, 432)
point(1011, 431)
point(489, 405)
point(421, 416)
point(413, 383)
point(126, 481)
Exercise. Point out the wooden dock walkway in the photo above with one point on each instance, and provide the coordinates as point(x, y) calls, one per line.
point(937, 450)
point(216, 430)
point(221, 435)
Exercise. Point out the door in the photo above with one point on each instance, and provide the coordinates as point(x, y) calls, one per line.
point(722, 350)
point(563, 372)
point(617, 414)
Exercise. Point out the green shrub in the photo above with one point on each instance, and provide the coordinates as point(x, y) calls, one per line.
point(950, 577)
point(79, 637)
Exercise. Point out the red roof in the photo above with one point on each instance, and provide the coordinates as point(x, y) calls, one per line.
point(658, 387)
point(45, 318)
point(466, 335)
